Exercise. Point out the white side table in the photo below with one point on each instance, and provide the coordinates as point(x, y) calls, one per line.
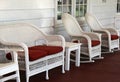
point(71, 47)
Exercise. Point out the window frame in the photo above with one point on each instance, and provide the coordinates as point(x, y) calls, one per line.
point(73, 9)
point(81, 7)
point(118, 6)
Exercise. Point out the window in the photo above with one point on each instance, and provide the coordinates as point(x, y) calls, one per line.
point(63, 6)
point(81, 7)
point(77, 8)
point(118, 5)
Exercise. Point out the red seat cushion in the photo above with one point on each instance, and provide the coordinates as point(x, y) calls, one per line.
point(8, 56)
point(49, 49)
point(37, 52)
point(76, 41)
point(113, 37)
point(33, 54)
point(95, 43)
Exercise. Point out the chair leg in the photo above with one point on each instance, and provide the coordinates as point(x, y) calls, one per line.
point(18, 76)
point(110, 50)
point(27, 78)
point(47, 76)
point(89, 60)
point(0, 78)
point(99, 57)
point(63, 66)
point(1, 81)
point(63, 71)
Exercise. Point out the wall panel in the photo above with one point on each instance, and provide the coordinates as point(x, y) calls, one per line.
point(104, 11)
point(40, 13)
point(26, 4)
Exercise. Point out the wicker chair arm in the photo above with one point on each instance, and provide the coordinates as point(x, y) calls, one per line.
point(78, 37)
point(112, 31)
point(55, 38)
point(94, 36)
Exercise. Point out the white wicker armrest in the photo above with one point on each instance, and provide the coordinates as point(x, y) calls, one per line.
point(13, 46)
point(56, 38)
point(94, 36)
point(82, 36)
point(104, 31)
point(112, 31)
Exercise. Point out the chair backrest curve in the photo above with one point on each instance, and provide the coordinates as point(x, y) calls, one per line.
point(93, 22)
point(71, 25)
point(20, 32)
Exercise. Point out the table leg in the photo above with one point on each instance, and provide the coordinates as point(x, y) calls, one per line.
point(67, 61)
point(78, 57)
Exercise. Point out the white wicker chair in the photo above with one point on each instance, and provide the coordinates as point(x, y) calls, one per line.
point(24, 36)
point(87, 39)
point(110, 37)
point(9, 67)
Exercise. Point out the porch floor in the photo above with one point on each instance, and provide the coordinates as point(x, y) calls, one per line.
point(104, 70)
